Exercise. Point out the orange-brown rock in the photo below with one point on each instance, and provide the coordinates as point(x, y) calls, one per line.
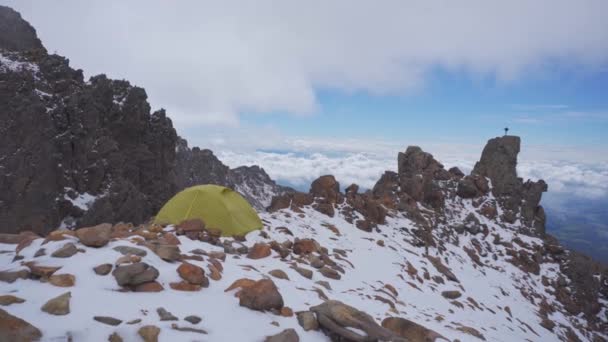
point(262, 295)
point(214, 273)
point(41, 271)
point(286, 311)
point(258, 251)
point(62, 280)
point(97, 236)
point(240, 283)
point(13, 328)
point(152, 286)
point(410, 330)
point(171, 239)
point(305, 246)
point(185, 286)
point(192, 273)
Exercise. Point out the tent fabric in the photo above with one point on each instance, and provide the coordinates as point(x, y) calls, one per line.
point(219, 207)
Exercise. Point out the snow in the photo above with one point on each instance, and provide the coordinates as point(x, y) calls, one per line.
point(368, 268)
point(7, 64)
point(83, 201)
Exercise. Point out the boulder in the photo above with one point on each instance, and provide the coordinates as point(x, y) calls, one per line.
point(166, 252)
point(305, 246)
point(59, 305)
point(287, 335)
point(151, 286)
point(107, 320)
point(96, 236)
point(66, 251)
point(11, 276)
point(343, 322)
point(262, 295)
point(329, 273)
point(409, 330)
point(102, 269)
point(192, 319)
point(279, 274)
point(307, 320)
point(165, 315)
point(452, 294)
point(135, 274)
point(41, 271)
point(13, 328)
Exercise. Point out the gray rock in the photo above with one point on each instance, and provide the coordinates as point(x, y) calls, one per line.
point(66, 251)
point(124, 250)
point(165, 315)
point(135, 274)
point(108, 320)
point(103, 269)
point(193, 319)
point(11, 276)
point(307, 320)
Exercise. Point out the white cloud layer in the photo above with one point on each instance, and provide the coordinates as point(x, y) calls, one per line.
point(208, 61)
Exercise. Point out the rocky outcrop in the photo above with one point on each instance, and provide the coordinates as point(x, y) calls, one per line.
point(498, 163)
point(419, 174)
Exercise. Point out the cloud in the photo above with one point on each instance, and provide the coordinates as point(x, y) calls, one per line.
point(210, 62)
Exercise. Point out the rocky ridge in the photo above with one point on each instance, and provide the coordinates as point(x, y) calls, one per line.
point(76, 153)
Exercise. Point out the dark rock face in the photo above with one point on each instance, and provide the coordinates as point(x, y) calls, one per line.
point(498, 163)
point(418, 175)
point(79, 154)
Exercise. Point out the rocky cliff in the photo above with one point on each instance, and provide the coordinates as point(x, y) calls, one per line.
point(75, 153)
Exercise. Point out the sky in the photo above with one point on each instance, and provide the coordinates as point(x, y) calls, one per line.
point(314, 87)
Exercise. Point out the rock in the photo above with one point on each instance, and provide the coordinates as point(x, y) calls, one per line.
point(240, 283)
point(329, 273)
point(192, 274)
point(40, 253)
point(326, 187)
point(316, 262)
point(165, 315)
point(287, 335)
point(410, 330)
point(108, 320)
point(127, 259)
point(10, 277)
point(262, 295)
point(66, 251)
point(103, 269)
point(306, 273)
point(418, 175)
point(188, 226)
point(149, 333)
point(466, 188)
point(13, 328)
point(307, 320)
point(125, 250)
point(6, 300)
point(337, 319)
point(258, 251)
point(59, 305)
point(115, 337)
point(41, 271)
point(451, 294)
point(286, 311)
point(193, 319)
point(62, 280)
point(185, 286)
point(165, 251)
point(279, 274)
point(97, 236)
point(305, 246)
point(174, 326)
point(151, 286)
point(135, 274)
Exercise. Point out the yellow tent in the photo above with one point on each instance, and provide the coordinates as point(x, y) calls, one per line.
point(219, 207)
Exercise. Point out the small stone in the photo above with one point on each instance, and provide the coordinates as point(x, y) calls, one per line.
point(6, 300)
point(165, 315)
point(41, 271)
point(127, 259)
point(62, 280)
point(316, 262)
point(451, 294)
point(287, 335)
point(125, 250)
point(193, 319)
point(40, 253)
point(306, 273)
point(305, 246)
point(103, 269)
point(330, 273)
point(149, 333)
point(59, 305)
point(279, 274)
point(165, 251)
point(323, 283)
point(115, 337)
point(134, 321)
point(262, 295)
point(108, 320)
point(174, 326)
point(135, 274)
point(286, 311)
point(307, 320)
point(217, 255)
point(66, 251)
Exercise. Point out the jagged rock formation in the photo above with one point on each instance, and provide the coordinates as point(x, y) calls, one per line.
point(78, 153)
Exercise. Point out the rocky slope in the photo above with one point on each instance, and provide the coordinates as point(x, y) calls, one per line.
point(415, 259)
point(76, 153)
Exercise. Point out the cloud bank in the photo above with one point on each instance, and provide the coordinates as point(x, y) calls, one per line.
point(208, 62)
